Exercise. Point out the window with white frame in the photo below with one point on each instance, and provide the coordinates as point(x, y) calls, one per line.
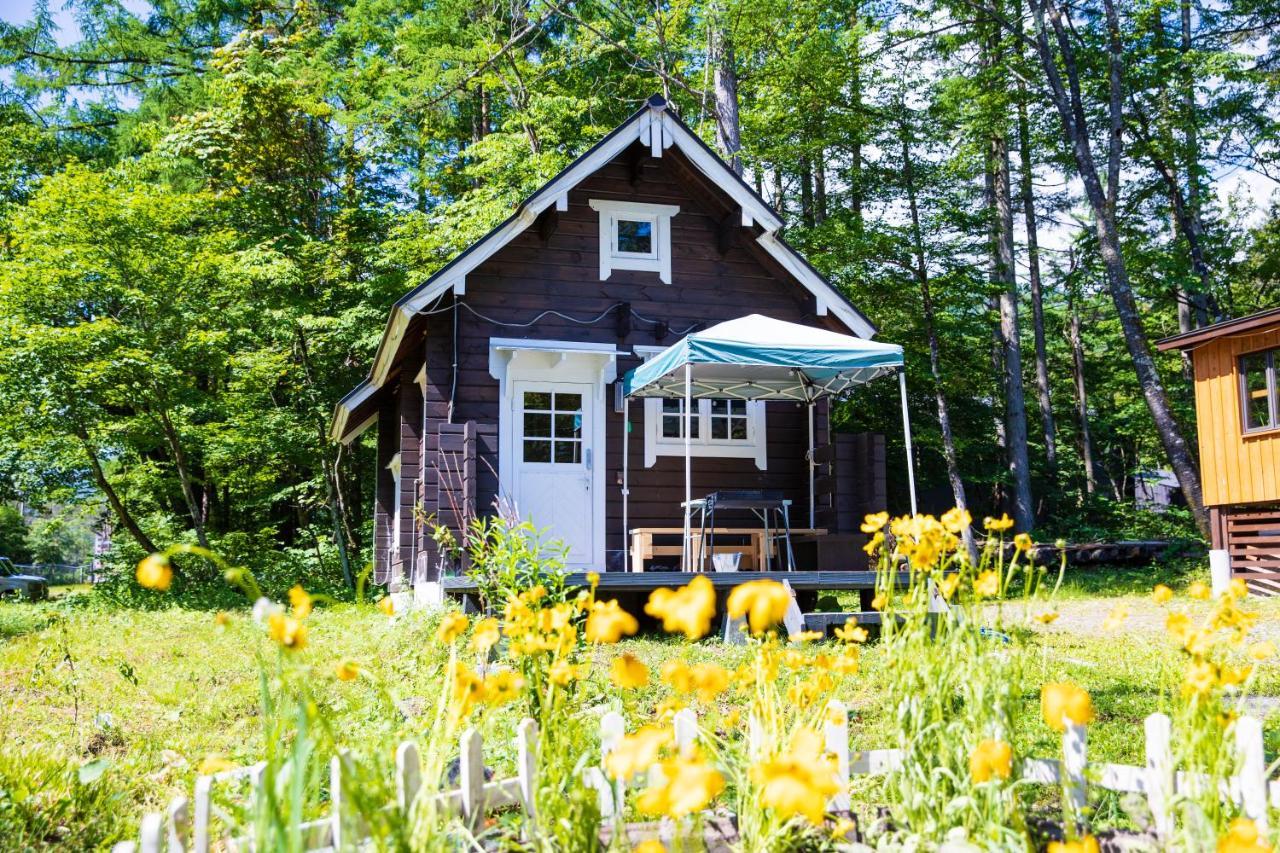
point(634, 236)
point(718, 427)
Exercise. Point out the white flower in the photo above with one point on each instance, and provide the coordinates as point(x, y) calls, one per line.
point(263, 608)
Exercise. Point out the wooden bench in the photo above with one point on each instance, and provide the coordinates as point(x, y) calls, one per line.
point(756, 551)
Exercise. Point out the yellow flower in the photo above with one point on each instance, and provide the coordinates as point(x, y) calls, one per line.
point(1243, 837)
point(687, 610)
point(852, 632)
point(1161, 594)
point(468, 687)
point(1238, 588)
point(1230, 676)
point(947, 586)
point(649, 845)
point(1047, 617)
point(1262, 650)
point(1178, 625)
point(222, 619)
point(874, 543)
point(593, 579)
point(387, 606)
point(956, 520)
point(214, 764)
point(687, 786)
point(300, 601)
point(451, 627)
point(874, 522)
point(627, 672)
point(709, 680)
point(637, 752)
point(764, 603)
point(880, 601)
point(799, 781)
point(502, 687)
point(807, 637)
point(990, 758)
point(486, 635)
point(562, 673)
point(154, 572)
point(608, 623)
point(987, 584)
point(1088, 844)
point(1062, 702)
point(1116, 618)
point(998, 525)
point(678, 675)
point(1022, 542)
point(347, 670)
point(1199, 590)
point(287, 631)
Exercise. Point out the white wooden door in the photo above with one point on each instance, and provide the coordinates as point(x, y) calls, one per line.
point(553, 434)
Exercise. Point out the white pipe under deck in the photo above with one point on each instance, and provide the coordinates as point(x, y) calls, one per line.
point(688, 467)
point(906, 433)
point(812, 466)
point(626, 472)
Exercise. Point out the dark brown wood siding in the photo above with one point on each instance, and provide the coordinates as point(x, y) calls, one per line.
point(532, 275)
point(384, 490)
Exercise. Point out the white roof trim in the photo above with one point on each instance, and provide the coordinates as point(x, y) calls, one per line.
point(453, 276)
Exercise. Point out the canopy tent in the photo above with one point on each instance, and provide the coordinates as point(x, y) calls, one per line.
point(760, 358)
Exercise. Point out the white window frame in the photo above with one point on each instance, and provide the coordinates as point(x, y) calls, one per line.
point(658, 215)
point(755, 446)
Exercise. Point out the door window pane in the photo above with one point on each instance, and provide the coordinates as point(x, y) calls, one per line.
point(537, 400)
point(568, 452)
point(1257, 392)
point(635, 237)
point(537, 451)
point(537, 425)
point(568, 426)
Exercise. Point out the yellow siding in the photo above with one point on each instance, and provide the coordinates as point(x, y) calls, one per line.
point(1235, 468)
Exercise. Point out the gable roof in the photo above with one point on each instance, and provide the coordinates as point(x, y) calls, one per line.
point(654, 125)
point(1238, 326)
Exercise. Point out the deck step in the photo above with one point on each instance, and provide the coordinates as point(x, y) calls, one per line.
point(824, 622)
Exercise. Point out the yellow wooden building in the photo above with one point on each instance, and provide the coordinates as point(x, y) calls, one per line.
point(1237, 383)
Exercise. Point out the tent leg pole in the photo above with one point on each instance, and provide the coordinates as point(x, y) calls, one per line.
point(626, 471)
point(906, 434)
point(688, 468)
point(812, 495)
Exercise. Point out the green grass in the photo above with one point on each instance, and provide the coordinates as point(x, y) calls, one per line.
point(139, 699)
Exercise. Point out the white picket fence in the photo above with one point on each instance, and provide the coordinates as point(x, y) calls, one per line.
point(1158, 781)
point(186, 825)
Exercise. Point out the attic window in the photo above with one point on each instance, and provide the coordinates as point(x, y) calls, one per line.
point(635, 236)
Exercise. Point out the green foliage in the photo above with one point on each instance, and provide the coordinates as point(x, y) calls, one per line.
point(14, 538)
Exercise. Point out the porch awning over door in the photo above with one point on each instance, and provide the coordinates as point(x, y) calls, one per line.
point(760, 358)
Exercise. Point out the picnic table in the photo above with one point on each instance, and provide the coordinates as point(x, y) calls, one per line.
point(757, 550)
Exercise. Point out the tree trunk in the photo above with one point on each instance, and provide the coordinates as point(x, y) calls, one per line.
point(185, 477)
point(1034, 280)
point(126, 518)
point(725, 85)
point(1082, 394)
point(931, 332)
point(1015, 411)
point(806, 192)
point(1071, 113)
point(820, 189)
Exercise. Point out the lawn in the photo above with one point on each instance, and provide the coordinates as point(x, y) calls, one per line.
point(107, 713)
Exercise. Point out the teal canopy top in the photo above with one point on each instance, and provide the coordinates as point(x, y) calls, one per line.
point(760, 358)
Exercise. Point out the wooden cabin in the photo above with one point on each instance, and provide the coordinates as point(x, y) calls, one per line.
point(1236, 365)
point(497, 376)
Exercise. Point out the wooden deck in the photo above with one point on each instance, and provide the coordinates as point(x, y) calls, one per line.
point(648, 581)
